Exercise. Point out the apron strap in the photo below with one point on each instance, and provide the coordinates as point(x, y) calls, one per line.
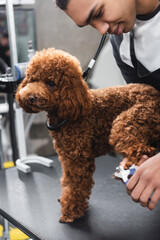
point(132, 51)
point(145, 76)
point(140, 69)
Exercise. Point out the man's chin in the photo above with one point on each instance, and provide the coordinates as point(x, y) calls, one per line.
point(128, 28)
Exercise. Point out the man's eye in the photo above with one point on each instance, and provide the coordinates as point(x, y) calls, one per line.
point(99, 14)
point(51, 84)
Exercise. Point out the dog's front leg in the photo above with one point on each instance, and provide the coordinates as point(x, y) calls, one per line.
point(76, 187)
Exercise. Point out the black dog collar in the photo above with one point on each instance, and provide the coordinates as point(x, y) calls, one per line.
point(56, 127)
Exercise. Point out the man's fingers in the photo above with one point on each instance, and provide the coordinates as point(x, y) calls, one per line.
point(143, 159)
point(124, 161)
point(132, 183)
point(145, 196)
point(134, 187)
point(137, 191)
point(154, 199)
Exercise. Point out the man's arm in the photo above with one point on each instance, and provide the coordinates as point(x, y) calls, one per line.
point(146, 180)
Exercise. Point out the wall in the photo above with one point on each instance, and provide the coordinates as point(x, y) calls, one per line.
point(55, 29)
point(106, 72)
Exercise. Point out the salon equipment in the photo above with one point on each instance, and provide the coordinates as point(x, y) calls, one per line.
point(20, 68)
point(93, 60)
point(123, 174)
point(6, 152)
point(7, 85)
point(23, 158)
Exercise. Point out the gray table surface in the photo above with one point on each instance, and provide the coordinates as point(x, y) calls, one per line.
point(31, 199)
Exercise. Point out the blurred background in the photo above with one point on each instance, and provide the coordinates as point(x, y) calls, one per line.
point(47, 26)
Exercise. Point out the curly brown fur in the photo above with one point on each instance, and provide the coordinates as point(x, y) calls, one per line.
point(125, 119)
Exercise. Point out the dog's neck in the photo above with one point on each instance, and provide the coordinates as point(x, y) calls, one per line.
point(57, 126)
point(54, 123)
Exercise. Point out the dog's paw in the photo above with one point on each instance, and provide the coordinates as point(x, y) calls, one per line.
point(127, 164)
point(65, 219)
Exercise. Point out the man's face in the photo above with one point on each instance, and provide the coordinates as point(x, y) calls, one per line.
point(113, 16)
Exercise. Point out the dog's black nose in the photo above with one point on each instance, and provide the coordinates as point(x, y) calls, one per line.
point(32, 98)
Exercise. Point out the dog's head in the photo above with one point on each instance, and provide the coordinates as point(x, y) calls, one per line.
point(54, 83)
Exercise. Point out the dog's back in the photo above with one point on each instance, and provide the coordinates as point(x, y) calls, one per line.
point(109, 103)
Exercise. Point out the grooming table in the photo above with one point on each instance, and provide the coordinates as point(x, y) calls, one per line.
point(30, 201)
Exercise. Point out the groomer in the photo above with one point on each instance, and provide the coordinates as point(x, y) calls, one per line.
point(134, 26)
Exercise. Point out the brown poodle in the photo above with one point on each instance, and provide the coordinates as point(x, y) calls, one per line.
point(86, 123)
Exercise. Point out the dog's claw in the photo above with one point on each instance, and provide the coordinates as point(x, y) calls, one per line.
point(60, 221)
point(65, 219)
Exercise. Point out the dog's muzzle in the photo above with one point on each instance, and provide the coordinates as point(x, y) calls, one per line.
point(32, 98)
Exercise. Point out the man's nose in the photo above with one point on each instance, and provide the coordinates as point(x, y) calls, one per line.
point(102, 27)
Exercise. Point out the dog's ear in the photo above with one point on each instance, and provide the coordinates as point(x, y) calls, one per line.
point(23, 83)
point(75, 99)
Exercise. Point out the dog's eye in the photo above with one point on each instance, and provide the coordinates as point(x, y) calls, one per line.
point(51, 84)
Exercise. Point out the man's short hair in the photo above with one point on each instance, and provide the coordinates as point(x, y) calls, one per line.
point(62, 4)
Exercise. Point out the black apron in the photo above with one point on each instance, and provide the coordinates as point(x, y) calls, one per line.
point(151, 78)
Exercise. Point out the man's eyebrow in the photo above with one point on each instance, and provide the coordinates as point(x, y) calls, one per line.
point(89, 16)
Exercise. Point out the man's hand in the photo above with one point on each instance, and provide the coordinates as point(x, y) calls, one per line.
point(145, 182)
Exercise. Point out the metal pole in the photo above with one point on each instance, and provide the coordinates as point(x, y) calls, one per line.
point(1, 147)
point(12, 34)
point(21, 163)
point(14, 60)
